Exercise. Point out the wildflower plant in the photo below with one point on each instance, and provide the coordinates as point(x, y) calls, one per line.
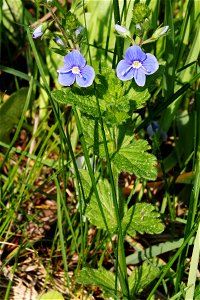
point(106, 104)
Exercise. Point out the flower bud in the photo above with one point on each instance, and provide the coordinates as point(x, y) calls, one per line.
point(146, 24)
point(38, 31)
point(140, 12)
point(122, 31)
point(78, 30)
point(138, 29)
point(59, 41)
point(160, 31)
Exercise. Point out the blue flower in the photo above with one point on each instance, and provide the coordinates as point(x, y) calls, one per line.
point(155, 128)
point(136, 64)
point(75, 68)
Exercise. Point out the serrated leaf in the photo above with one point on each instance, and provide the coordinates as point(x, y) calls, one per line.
point(93, 136)
point(84, 99)
point(101, 277)
point(132, 158)
point(86, 182)
point(116, 115)
point(93, 212)
point(137, 96)
point(110, 90)
point(51, 295)
point(142, 218)
point(142, 276)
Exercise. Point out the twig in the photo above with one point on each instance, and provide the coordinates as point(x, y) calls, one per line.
point(45, 17)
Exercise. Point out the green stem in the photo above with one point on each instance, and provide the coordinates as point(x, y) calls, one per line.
point(122, 259)
point(59, 25)
point(119, 41)
point(194, 197)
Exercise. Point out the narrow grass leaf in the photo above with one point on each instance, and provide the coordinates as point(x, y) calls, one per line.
point(154, 251)
point(61, 235)
point(193, 267)
point(18, 74)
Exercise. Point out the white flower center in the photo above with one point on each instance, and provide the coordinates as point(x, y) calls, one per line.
point(136, 64)
point(75, 70)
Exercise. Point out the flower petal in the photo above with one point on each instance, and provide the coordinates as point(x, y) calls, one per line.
point(64, 69)
point(124, 70)
point(140, 77)
point(150, 65)
point(87, 76)
point(134, 53)
point(74, 58)
point(66, 79)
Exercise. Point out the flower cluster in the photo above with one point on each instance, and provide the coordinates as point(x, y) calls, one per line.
point(135, 65)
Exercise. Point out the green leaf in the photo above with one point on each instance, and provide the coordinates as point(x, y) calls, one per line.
point(115, 105)
point(137, 96)
point(10, 113)
point(114, 115)
point(142, 276)
point(51, 295)
point(155, 250)
point(101, 277)
point(93, 212)
point(84, 99)
point(142, 218)
point(93, 136)
point(132, 158)
point(118, 100)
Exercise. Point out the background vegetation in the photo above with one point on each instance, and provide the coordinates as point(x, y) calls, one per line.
point(46, 242)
